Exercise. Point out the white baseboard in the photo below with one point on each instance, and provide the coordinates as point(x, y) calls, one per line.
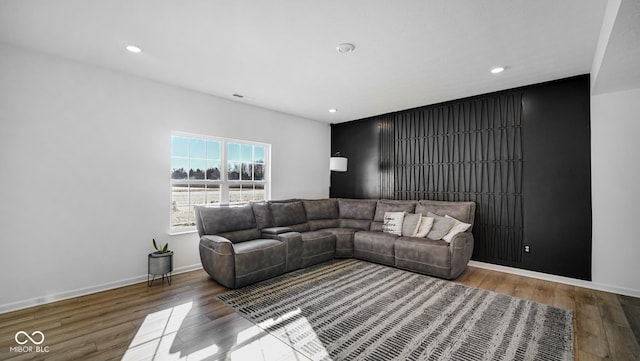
point(85, 291)
point(558, 279)
point(129, 281)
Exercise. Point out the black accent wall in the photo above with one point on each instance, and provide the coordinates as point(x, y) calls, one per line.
point(523, 155)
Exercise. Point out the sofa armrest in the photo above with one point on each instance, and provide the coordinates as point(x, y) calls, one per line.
point(217, 256)
point(293, 245)
point(460, 251)
point(273, 232)
point(217, 244)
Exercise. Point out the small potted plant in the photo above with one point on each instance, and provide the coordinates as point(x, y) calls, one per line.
point(160, 263)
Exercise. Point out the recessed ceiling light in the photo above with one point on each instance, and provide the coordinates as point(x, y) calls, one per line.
point(333, 110)
point(133, 49)
point(497, 69)
point(345, 48)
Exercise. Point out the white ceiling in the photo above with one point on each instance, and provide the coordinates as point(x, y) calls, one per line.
point(281, 54)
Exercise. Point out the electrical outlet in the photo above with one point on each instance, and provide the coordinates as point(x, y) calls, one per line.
point(527, 249)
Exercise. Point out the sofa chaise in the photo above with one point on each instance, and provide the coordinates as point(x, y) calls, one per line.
point(246, 244)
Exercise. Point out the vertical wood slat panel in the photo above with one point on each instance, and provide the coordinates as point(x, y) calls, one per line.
point(470, 150)
point(387, 152)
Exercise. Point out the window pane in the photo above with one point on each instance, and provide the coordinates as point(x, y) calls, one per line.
point(197, 194)
point(196, 171)
point(233, 152)
point(258, 193)
point(179, 146)
point(233, 170)
point(247, 170)
point(247, 153)
point(197, 148)
point(179, 196)
point(213, 170)
point(258, 154)
point(213, 149)
point(235, 193)
point(180, 217)
point(179, 168)
point(213, 194)
point(247, 193)
point(258, 171)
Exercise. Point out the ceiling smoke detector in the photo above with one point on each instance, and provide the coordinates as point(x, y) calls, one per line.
point(345, 48)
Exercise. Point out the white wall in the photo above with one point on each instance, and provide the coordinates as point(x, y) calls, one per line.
point(84, 165)
point(615, 162)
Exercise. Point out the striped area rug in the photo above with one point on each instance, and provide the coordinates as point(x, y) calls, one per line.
point(355, 310)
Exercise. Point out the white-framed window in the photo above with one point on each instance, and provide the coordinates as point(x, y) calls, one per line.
point(213, 171)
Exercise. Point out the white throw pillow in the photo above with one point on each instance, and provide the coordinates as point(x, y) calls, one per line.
point(458, 227)
point(393, 222)
point(425, 226)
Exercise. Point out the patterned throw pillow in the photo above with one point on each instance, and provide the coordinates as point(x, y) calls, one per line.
point(441, 226)
point(458, 227)
point(393, 223)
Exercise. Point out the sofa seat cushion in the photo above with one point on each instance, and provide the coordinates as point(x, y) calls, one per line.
point(374, 246)
point(318, 224)
point(255, 244)
point(258, 260)
point(317, 246)
point(344, 241)
point(423, 255)
point(241, 236)
point(360, 224)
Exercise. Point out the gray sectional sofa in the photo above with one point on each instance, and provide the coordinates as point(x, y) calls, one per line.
point(251, 243)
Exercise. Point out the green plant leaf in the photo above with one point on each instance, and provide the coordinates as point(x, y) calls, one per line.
point(155, 245)
point(165, 249)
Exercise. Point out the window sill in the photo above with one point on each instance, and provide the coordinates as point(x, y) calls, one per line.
point(178, 233)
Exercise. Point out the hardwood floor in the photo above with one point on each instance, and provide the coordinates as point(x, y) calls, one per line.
point(184, 321)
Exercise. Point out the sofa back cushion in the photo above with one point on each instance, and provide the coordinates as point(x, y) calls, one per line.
point(356, 213)
point(262, 212)
point(226, 220)
point(462, 211)
point(386, 205)
point(321, 209)
point(289, 214)
point(321, 213)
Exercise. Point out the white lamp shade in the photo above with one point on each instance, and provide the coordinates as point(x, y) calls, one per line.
point(338, 164)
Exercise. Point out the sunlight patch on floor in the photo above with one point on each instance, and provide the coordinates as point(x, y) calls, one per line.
point(297, 331)
point(254, 345)
point(156, 336)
